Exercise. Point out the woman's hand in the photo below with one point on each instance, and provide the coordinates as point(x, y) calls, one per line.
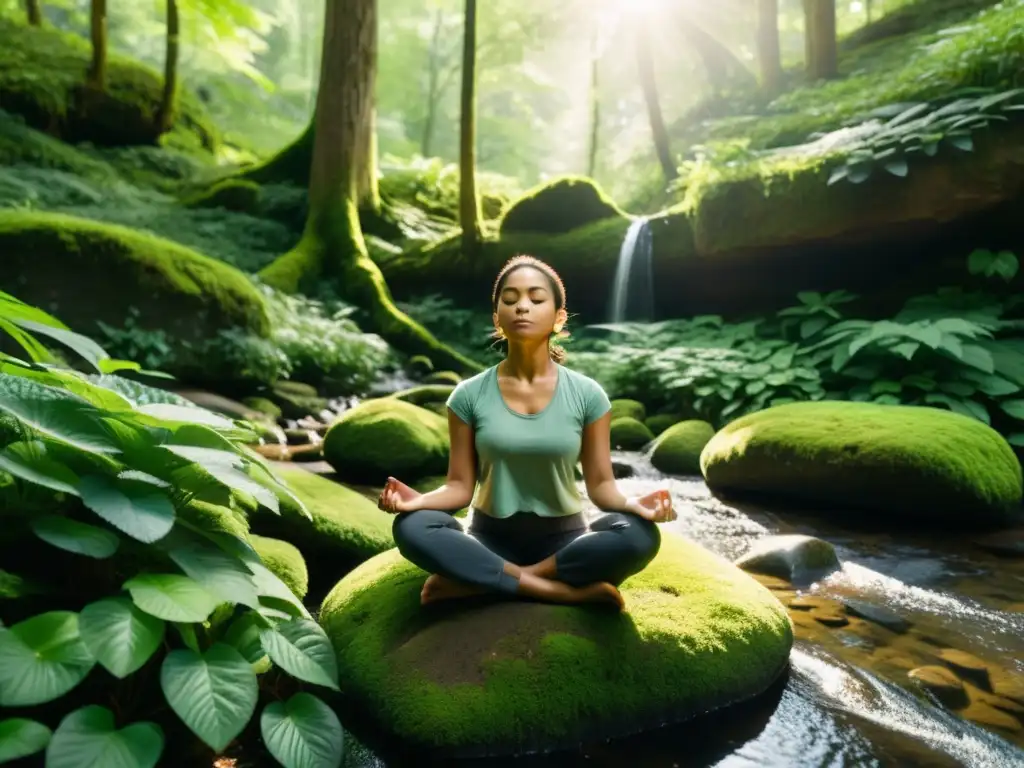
point(656, 507)
point(397, 497)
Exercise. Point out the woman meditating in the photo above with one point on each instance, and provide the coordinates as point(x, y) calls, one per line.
point(517, 431)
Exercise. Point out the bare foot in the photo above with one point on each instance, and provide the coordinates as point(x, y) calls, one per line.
point(437, 588)
point(552, 591)
point(603, 592)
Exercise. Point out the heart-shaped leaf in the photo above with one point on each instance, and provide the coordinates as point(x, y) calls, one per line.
point(171, 597)
point(213, 693)
point(139, 509)
point(87, 739)
point(73, 536)
point(20, 738)
point(119, 635)
point(41, 659)
point(303, 732)
point(303, 650)
point(213, 568)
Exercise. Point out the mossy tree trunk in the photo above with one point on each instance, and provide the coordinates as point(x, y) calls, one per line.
point(469, 200)
point(35, 13)
point(595, 104)
point(165, 113)
point(332, 245)
point(367, 188)
point(645, 66)
point(822, 50)
point(97, 77)
point(768, 54)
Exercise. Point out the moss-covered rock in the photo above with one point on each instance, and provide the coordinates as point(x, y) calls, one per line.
point(697, 634)
point(426, 394)
point(232, 195)
point(263, 405)
point(910, 461)
point(296, 399)
point(42, 77)
point(346, 528)
point(284, 560)
point(659, 422)
point(634, 409)
point(559, 206)
point(85, 272)
point(628, 434)
point(677, 449)
point(386, 437)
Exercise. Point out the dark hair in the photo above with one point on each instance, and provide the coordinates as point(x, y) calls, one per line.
point(556, 350)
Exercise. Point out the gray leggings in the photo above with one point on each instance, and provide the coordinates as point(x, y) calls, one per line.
point(612, 548)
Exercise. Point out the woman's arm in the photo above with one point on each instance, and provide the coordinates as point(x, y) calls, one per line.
point(457, 492)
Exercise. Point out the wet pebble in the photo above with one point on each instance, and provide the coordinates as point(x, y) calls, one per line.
point(877, 614)
point(795, 557)
point(830, 618)
point(621, 470)
point(942, 684)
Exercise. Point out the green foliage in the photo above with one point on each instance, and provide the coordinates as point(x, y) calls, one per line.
point(116, 479)
point(466, 331)
point(559, 206)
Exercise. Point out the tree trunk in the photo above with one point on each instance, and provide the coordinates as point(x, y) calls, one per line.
point(97, 77)
point(595, 106)
point(35, 13)
point(433, 81)
point(165, 112)
point(469, 201)
point(820, 39)
point(645, 65)
point(332, 244)
point(768, 53)
point(367, 186)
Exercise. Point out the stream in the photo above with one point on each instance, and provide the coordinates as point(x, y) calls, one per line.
point(847, 701)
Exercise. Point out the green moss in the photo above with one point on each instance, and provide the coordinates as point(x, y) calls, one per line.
point(659, 422)
point(559, 206)
point(917, 462)
point(677, 449)
point(285, 561)
point(425, 395)
point(42, 76)
point(628, 434)
point(443, 377)
point(263, 405)
point(634, 409)
point(346, 528)
point(216, 518)
point(232, 195)
point(21, 144)
point(84, 272)
point(697, 634)
point(386, 437)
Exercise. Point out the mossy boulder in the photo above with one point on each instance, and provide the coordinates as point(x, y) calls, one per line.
point(677, 450)
point(84, 272)
point(386, 437)
point(659, 422)
point(514, 676)
point(263, 406)
point(42, 78)
point(425, 394)
point(634, 409)
point(232, 195)
point(284, 560)
point(346, 528)
point(628, 434)
point(297, 400)
point(559, 206)
point(916, 462)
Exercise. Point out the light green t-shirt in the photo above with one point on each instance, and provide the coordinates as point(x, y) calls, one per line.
point(525, 462)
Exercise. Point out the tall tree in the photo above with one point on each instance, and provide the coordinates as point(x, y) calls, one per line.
point(822, 50)
point(595, 99)
point(434, 64)
point(645, 65)
point(165, 111)
point(332, 244)
point(768, 54)
point(469, 200)
point(97, 76)
point(35, 13)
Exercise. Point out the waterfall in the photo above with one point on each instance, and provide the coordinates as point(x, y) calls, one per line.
point(633, 288)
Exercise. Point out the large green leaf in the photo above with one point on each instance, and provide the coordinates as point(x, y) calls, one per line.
point(73, 536)
point(20, 737)
point(85, 347)
point(119, 635)
point(135, 507)
point(87, 738)
point(303, 732)
point(179, 413)
point(303, 650)
point(213, 693)
point(244, 636)
point(54, 412)
point(28, 460)
point(171, 597)
point(41, 659)
point(220, 573)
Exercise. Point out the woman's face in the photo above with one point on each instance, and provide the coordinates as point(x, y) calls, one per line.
point(526, 305)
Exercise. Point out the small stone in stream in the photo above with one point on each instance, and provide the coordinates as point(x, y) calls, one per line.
point(621, 470)
point(853, 640)
point(1008, 543)
point(798, 558)
point(829, 618)
point(877, 614)
point(813, 602)
point(967, 666)
point(326, 417)
point(301, 436)
point(985, 714)
point(942, 684)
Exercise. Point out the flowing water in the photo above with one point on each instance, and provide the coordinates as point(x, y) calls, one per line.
point(847, 701)
point(633, 288)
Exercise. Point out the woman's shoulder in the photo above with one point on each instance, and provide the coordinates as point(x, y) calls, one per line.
point(581, 383)
point(471, 387)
